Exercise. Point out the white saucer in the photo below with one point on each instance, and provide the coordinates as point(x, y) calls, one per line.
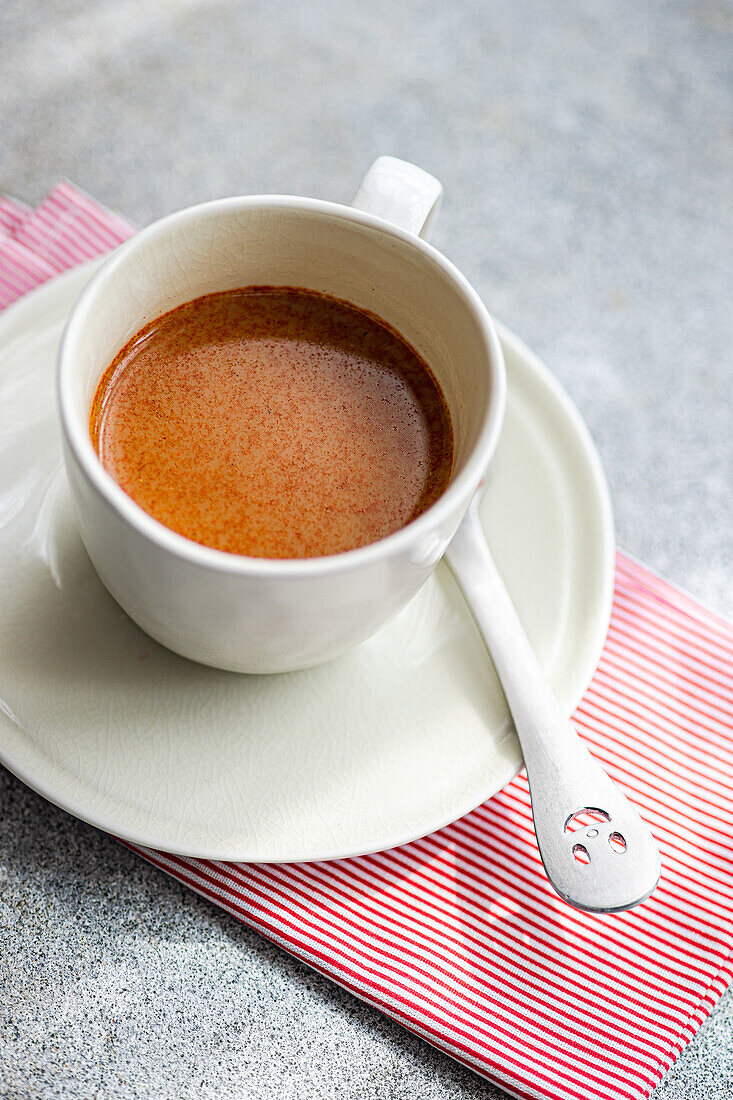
point(402, 736)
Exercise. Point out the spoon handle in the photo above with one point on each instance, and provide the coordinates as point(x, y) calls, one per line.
point(603, 867)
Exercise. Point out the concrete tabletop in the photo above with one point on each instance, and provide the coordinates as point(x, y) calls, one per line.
point(586, 153)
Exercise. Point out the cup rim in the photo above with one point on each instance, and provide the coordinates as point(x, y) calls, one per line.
point(77, 435)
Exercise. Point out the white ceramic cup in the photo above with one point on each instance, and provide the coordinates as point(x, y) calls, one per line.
point(253, 614)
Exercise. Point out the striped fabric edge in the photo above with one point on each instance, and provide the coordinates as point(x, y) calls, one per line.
point(641, 576)
point(21, 270)
point(67, 228)
point(658, 971)
point(12, 213)
point(390, 1006)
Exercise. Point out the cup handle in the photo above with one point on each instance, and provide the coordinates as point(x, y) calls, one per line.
point(401, 193)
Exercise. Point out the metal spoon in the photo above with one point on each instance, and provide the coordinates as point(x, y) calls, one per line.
point(610, 865)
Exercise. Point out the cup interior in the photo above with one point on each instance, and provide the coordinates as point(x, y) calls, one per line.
point(288, 242)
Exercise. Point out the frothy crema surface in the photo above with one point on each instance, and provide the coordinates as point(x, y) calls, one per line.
point(274, 422)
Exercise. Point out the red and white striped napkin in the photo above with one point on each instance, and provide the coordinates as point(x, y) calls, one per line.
point(458, 936)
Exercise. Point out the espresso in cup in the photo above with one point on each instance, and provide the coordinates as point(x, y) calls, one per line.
point(274, 422)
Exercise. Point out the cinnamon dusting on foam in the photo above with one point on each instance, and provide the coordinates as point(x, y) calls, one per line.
point(274, 422)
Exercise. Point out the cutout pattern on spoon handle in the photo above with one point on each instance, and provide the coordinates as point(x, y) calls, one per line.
point(598, 853)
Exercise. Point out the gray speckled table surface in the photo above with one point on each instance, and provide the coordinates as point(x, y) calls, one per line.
point(586, 152)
